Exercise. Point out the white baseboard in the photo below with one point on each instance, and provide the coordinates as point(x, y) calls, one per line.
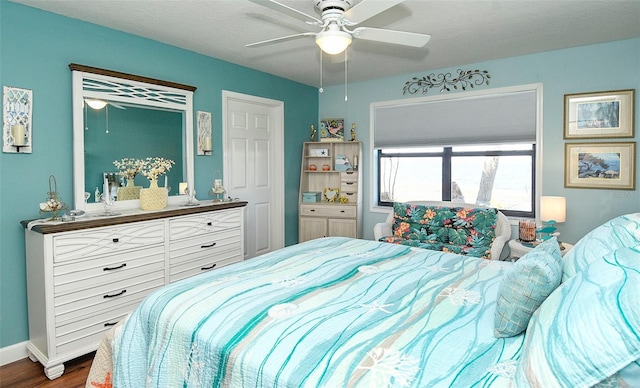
point(13, 353)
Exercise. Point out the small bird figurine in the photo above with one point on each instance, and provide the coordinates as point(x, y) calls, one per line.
point(313, 132)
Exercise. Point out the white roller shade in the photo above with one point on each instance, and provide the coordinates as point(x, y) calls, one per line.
point(497, 118)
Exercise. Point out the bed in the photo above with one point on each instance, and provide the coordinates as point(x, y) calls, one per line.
point(341, 312)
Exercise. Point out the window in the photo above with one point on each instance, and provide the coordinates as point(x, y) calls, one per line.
point(478, 147)
point(501, 176)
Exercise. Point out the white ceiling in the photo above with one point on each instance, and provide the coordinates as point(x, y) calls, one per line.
point(462, 31)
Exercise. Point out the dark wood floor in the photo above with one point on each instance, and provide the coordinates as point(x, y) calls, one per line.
point(28, 374)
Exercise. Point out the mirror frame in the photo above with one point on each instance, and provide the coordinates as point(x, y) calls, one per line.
point(96, 83)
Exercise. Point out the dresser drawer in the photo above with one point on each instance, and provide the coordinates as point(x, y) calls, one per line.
point(349, 176)
point(208, 245)
point(109, 240)
point(200, 224)
point(89, 331)
point(328, 210)
point(348, 187)
point(352, 197)
point(82, 303)
point(87, 274)
point(195, 266)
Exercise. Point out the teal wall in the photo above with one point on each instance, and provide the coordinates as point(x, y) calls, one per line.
point(601, 67)
point(36, 49)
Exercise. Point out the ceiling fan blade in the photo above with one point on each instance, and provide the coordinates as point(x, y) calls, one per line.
point(367, 9)
point(281, 39)
point(390, 36)
point(288, 10)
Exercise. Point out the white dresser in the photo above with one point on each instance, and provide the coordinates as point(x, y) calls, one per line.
point(84, 276)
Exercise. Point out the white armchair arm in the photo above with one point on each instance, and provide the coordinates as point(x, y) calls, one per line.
point(381, 229)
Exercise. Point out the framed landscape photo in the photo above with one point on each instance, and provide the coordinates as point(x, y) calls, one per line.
point(600, 165)
point(599, 114)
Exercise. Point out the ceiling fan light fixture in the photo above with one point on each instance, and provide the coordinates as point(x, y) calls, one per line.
point(96, 104)
point(333, 42)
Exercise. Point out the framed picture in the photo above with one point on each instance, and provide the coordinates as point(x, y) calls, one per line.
point(600, 114)
point(332, 130)
point(600, 165)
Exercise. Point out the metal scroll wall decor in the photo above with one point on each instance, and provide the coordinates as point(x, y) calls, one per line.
point(465, 79)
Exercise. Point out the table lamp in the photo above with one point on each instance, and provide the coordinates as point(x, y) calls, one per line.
point(552, 210)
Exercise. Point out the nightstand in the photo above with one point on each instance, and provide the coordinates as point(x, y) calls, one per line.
point(518, 249)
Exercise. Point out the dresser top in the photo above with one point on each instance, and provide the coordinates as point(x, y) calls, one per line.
point(92, 221)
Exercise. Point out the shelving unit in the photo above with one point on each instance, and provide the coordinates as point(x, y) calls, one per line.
point(338, 208)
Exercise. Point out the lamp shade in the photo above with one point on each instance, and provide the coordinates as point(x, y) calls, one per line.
point(553, 208)
point(333, 41)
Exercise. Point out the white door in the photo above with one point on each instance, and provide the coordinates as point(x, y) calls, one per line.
point(253, 143)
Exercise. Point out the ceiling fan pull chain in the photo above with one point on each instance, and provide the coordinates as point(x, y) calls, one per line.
point(321, 88)
point(107, 117)
point(345, 75)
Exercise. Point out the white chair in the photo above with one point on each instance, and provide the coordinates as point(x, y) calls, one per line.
point(503, 226)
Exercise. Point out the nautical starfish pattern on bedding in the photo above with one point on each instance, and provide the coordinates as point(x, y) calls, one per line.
point(284, 310)
point(106, 384)
point(390, 368)
point(376, 306)
point(460, 296)
point(368, 269)
point(437, 268)
point(287, 283)
point(505, 368)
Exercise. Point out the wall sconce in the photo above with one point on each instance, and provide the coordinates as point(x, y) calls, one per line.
point(16, 120)
point(204, 133)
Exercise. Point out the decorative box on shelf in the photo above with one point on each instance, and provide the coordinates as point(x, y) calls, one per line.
point(311, 197)
point(342, 163)
point(318, 152)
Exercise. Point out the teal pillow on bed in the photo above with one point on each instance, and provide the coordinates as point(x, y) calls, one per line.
point(588, 329)
point(527, 284)
point(620, 232)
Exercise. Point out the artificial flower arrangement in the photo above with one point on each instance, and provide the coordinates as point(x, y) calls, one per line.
point(128, 167)
point(152, 168)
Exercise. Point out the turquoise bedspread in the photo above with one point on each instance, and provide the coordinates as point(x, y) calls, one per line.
point(332, 312)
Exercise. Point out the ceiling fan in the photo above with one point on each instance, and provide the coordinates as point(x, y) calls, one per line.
point(337, 17)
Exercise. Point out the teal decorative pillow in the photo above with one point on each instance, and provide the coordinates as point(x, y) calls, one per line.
point(620, 232)
point(588, 329)
point(527, 284)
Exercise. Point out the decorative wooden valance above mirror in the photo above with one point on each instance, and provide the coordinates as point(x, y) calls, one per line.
point(118, 115)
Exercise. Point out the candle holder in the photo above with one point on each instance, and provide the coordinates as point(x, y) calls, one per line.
point(218, 192)
point(53, 203)
point(527, 231)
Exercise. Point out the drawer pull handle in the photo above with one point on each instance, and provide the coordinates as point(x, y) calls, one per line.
point(113, 268)
point(114, 295)
point(110, 324)
point(115, 240)
point(209, 267)
point(312, 210)
point(341, 211)
point(209, 223)
point(349, 183)
point(208, 246)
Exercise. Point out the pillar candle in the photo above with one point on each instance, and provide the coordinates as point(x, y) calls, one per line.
point(207, 143)
point(17, 133)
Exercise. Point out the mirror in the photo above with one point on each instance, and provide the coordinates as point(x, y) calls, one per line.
point(138, 117)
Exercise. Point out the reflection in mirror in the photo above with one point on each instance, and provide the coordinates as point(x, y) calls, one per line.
point(118, 131)
point(118, 115)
